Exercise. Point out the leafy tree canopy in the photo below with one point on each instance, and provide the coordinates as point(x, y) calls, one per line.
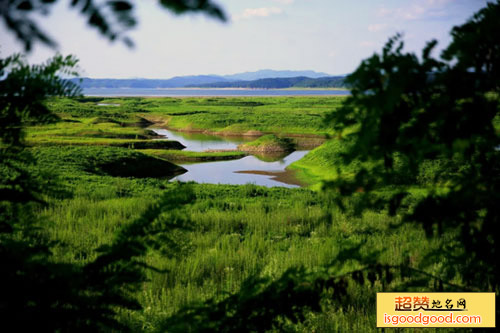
point(405, 113)
point(409, 115)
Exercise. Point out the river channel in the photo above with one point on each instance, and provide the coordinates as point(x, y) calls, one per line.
point(263, 170)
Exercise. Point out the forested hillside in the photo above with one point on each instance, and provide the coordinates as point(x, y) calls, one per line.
point(281, 83)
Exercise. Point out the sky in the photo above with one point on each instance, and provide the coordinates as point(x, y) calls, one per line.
point(330, 36)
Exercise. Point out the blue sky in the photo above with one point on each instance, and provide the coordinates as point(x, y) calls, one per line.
point(330, 36)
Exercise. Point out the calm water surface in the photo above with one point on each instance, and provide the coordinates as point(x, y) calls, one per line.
point(202, 142)
point(174, 92)
point(230, 172)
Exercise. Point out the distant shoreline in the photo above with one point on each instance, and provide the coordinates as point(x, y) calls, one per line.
point(213, 92)
point(227, 88)
point(322, 88)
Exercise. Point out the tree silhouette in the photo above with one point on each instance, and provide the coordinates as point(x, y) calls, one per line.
point(43, 295)
point(38, 293)
point(112, 18)
point(411, 119)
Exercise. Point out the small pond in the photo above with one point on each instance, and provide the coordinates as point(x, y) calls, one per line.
point(265, 170)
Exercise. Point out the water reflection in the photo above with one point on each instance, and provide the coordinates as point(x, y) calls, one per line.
point(202, 142)
point(271, 157)
point(242, 171)
point(262, 169)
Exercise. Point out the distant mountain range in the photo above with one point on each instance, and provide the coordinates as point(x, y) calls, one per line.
point(269, 73)
point(260, 79)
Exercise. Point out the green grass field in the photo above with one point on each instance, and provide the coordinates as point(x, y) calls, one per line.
point(121, 122)
point(268, 143)
point(235, 231)
point(193, 156)
point(291, 115)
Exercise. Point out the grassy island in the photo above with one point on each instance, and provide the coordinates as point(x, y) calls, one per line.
point(268, 144)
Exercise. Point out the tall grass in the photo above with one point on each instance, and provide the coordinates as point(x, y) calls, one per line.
point(236, 231)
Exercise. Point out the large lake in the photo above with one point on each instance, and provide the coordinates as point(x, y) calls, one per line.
point(259, 170)
point(175, 92)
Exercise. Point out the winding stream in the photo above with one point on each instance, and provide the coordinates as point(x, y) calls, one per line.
point(266, 170)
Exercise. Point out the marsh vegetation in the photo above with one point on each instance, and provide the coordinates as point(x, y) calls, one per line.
point(401, 193)
point(235, 231)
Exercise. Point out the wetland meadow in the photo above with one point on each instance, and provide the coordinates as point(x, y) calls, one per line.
point(266, 201)
point(254, 165)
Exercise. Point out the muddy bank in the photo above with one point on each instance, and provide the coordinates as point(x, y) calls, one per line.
point(287, 176)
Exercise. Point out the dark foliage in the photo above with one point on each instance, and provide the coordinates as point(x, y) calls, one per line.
point(22, 94)
point(408, 112)
point(38, 293)
point(111, 18)
point(405, 112)
point(258, 306)
point(323, 82)
point(262, 304)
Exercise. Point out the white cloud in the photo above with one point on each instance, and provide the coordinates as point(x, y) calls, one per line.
point(417, 10)
point(332, 54)
point(284, 2)
point(377, 27)
point(258, 12)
